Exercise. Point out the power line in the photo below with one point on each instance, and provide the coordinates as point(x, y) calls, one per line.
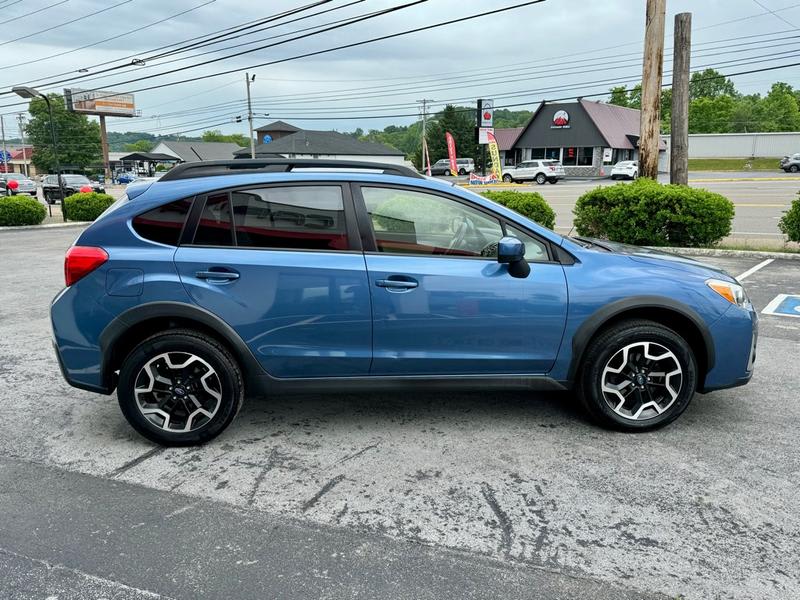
point(97, 12)
point(775, 14)
point(17, 18)
point(108, 39)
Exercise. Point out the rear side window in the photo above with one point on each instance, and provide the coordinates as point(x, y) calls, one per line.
point(296, 218)
point(215, 227)
point(163, 224)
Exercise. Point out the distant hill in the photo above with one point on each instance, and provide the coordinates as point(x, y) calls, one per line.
point(117, 141)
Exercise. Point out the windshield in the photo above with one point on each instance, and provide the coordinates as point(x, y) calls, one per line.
point(76, 179)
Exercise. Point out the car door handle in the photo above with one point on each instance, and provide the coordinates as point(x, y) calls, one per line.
point(393, 283)
point(217, 275)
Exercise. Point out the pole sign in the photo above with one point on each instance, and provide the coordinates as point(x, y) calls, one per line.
point(494, 152)
point(486, 113)
point(100, 102)
point(483, 134)
point(451, 153)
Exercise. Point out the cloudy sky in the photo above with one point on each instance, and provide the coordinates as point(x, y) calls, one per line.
point(551, 50)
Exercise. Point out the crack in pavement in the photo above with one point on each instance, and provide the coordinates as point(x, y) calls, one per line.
point(325, 489)
point(506, 531)
point(136, 461)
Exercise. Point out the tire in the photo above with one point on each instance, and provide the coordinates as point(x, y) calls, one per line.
point(541, 179)
point(658, 402)
point(614, 177)
point(462, 171)
point(213, 376)
point(634, 177)
point(794, 168)
point(508, 179)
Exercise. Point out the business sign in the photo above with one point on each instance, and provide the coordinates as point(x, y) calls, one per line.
point(267, 139)
point(483, 134)
point(560, 120)
point(608, 154)
point(494, 152)
point(485, 113)
point(451, 153)
point(100, 102)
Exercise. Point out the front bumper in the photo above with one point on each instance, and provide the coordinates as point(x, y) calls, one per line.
point(735, 337)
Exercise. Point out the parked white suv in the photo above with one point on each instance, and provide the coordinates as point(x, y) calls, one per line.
point(626, 169)
point(540, 171)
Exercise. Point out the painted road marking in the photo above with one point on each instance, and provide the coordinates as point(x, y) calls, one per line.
point(784, 305)
point(758, 267)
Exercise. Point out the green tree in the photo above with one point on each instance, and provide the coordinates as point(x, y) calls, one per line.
point(233, 138)
point(618, 96)
point(140, 146)
point(780, 109)
point(78, 137)
point(461, 124)
point(710, 84)
point(711, 115)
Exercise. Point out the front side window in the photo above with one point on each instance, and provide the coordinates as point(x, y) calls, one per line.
point(163, 224)
point(535, 251)
point(296, 218)
point(410, 222)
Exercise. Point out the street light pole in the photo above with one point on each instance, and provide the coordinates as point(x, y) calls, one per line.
point(28, 93)
point(250, 114)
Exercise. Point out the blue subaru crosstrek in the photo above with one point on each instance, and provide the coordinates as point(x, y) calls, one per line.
point(235, 278)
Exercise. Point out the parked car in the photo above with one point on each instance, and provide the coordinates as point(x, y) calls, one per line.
point(233, 278)
point(72, 185)
point(791, 164)
point(24, 184)
point(442, 167)
point(126, 178)
point(540, 171)
point(626, 169)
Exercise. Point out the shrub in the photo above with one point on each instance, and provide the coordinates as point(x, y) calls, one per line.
point(790, 222)
point(86, 207)
point(20, 210)
point(650, 214)
point(528, 204)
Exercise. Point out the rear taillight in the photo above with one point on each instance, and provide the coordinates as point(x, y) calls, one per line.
point(82, 260)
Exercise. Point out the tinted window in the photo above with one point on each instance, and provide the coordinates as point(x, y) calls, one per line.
point(163, 224)
point(411, 222)
point(215, 228)
point(76, 179)
point(303, 217)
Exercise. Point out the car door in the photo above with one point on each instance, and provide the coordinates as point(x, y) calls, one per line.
point(442, 304)
point(282, 265)
point(527, 170)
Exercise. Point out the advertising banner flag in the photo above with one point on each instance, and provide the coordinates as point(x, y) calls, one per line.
point(475, 179)
point(494, 152)
point(451, 153)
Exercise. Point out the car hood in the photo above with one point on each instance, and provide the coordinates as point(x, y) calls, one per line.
point(664, 259)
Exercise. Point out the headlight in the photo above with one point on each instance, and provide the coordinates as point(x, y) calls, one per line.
point(732, 292)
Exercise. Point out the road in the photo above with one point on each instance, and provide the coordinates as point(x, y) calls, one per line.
point(430, 495)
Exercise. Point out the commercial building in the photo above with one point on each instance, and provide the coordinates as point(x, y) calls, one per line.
point(330, 145)
point(586, 136)
point(196, 151)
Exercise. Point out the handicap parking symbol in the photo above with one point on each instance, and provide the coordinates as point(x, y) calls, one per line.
point(784, 305)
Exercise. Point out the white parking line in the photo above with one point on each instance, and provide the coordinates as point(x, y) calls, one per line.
point(758, 267)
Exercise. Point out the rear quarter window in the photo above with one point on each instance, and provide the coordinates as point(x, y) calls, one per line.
point(163, 224)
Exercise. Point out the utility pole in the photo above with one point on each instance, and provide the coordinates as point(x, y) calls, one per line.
point(426, 159)
point(250, 114)
point(679, 130)
point(650, 128)
point(25, 167)
point(5, 154)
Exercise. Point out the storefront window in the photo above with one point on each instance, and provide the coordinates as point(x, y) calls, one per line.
point(570, 157)
point(585, 157)
point(553, 153)
point(537, 153)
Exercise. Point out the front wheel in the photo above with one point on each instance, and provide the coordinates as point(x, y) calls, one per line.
point(637, 376)
point(541, 179)
point(794, 168)
point(180, 388)
point(462, 171)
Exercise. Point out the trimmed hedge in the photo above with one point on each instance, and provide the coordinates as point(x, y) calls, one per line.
point(528, 204)
point(790, 222)
point(86, 207)
point(647, 213)
point(20, 210)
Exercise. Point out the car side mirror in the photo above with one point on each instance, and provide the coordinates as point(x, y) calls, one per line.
point(511, 252)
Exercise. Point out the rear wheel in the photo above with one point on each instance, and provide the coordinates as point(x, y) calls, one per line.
point(508, 178)
point(462, 171)
point(637, 376)
point(541, 179)
point(180, 388)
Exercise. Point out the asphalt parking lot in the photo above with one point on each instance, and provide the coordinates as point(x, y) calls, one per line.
point(422, 496)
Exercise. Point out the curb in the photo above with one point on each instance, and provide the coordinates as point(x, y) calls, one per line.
point(47, 226)
point(729, 179)
point(719, 252)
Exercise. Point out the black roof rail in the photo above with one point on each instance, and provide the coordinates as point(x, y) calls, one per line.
point(240, 166)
